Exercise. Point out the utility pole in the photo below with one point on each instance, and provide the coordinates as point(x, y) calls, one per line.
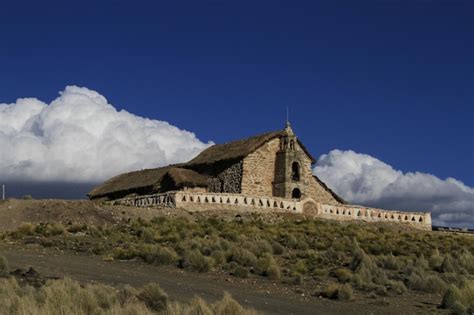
point(3, 191)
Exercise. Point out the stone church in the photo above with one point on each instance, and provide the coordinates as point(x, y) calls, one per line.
point(268, 172)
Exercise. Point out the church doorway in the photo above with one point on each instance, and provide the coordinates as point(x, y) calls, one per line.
point(296, 193)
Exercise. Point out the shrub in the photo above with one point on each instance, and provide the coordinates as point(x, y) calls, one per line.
point(3, 265)
point(448, 265)
point(127, 295)
point(196, 261)
point(154, 297)
point(26, 228)
point(421, 262)
point(251, 247)
point(390, 262)
point(320, 272)
point(459, 300)
point(345, 292)
point(299, 266)
point(465, 261)
point(66, 296)
point(218, 256)
point(27, 197)
point(397, 286)
point(229, 306)
point(164, 256)
point(103, 296)
point(197, 306)
point(50, 229)
point(243, 257)
point(338, 292)
point(366, 272)
point(267, 266)
point(424, 283)
point(241, 272)
point(273, 272)
point(435, 259)
point(331, 291)
point(151, 254)
point(277, 248)
point(264, 247)
point(343, 274)
point(76, 227)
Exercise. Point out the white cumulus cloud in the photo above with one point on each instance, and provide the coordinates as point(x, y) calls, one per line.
point(363, 179)
point(80, 137)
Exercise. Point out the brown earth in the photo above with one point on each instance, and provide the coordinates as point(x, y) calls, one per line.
point(13, 212)
point(259, 293)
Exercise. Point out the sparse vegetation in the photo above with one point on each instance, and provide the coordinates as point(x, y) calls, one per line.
point(154, 297)
point(379, 259)
point(67, 296)
point(460, 300)
point(339, 292)
point(3, 266)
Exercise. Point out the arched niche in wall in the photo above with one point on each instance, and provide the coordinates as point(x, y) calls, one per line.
point(296, 193)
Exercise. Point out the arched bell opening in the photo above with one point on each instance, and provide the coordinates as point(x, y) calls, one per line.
point(295, 171)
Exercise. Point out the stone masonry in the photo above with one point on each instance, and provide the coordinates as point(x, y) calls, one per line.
point(204, 201)
point(258, 169)
point(227, 181)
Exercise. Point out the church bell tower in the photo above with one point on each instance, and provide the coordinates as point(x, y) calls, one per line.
point(286, 182)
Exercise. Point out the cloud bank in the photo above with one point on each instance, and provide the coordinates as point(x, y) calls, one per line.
point(80, 137)
point(363, 179)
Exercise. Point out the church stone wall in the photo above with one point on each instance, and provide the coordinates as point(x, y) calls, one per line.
point(313, 188)
point(193, 201)
point(259, 172)
point(258, 169)
point(307, 184)
point(227, 181)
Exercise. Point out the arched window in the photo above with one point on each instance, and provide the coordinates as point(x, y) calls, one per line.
point(295, 171)
point(296, 193)
point(292, 144)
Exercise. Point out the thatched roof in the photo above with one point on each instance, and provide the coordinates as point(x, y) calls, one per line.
point(130, 181)
point(149, 178)
point(186, 178)
point(238, 149)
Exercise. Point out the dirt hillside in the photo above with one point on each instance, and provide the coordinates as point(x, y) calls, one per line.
point(13, 212)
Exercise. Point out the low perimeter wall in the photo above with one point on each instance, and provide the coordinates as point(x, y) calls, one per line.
point(193, 201)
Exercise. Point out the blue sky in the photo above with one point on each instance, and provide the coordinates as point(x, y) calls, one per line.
point(394, 79)
point(390, 79)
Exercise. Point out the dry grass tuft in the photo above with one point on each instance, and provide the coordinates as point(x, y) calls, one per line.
point(69, 297)
point(3, 265)
point(460, 300)
point(337, 291)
